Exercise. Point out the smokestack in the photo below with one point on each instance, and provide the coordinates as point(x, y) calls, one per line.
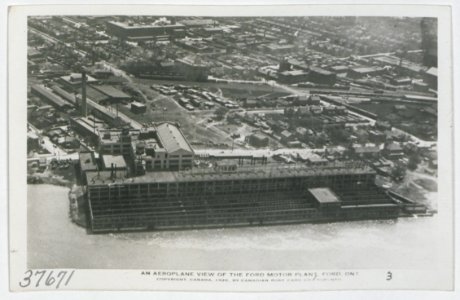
point(83, 94)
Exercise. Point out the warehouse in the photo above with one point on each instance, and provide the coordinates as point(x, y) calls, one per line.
point(257, 140)
point(321, 76)
point(249, 195)
point(46, 95)
point(138, 108)
point(364, 71)
point(133, 32)
point(113, 95)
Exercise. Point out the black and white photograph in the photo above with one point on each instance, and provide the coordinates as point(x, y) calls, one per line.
point(298, 148)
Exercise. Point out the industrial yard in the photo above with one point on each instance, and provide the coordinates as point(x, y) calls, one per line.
point(134, 99)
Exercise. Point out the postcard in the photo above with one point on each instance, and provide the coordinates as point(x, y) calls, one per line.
point(250, 149)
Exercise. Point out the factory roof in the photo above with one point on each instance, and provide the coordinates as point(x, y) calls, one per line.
point(90, 125)
point(367, 149)
point(279, 46)
point(191, 60)
point(95, 95)
point(241, 173)
point(198, 22)
point(116, 135)
point(87, 161)
point(172, 139)
point(45, 92)
point(117, 160)
point(393, 147)
point(320, 71)
point(293, 73)
point(32, 52)
point(64, 94)
point(131, 25)
point(339, 68)
point(297, 63)
point(259, 136)
point(137, 104)
point(365, 70)
point(324, 195)
point(32, 135)
point(370, 205)
point(111, 91)
point(432, 71)
point(316, 159)
point(75, 78)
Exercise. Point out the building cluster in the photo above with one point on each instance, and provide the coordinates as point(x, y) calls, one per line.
point(134, 152)
point(252, 195)
point(306, 101)
point(193, 49)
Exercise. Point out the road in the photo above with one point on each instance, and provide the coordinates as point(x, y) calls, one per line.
point(46, 143)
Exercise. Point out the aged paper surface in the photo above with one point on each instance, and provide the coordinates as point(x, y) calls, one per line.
point(303, 95)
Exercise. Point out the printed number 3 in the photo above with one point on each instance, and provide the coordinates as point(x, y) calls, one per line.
point(389, 276)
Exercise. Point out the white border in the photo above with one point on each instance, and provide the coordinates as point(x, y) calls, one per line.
point(455, 36)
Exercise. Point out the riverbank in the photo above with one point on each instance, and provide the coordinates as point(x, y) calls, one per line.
point(54, 241)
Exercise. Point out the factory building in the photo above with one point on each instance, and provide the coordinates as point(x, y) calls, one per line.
point(117, 142)
point(430, 76)
point(138, 32)
point(257, 140)
point(111, 94)
point(361, 72)
point(162, 147)
point(114, 162)
point(313, 74)
point(87, 126)
point(254, 195)
point(168, 150)
point(138, 108)
point(73, 82)
point(294, 76)
point(86, 163)
point(47, 95)
point(321, 76)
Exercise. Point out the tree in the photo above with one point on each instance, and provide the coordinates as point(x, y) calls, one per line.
point(221, 112)
point(414, 160)
point(339, 135)
point(398, 172)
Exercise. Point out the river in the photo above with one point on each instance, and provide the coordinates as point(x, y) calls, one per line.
point(55, 242)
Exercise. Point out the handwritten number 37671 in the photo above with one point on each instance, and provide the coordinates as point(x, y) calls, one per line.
point(47, 278)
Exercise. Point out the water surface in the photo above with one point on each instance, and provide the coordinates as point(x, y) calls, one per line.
point(55, 242)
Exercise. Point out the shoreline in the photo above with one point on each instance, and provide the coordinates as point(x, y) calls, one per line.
point(54, 241)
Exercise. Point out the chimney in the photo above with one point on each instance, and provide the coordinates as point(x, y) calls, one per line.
point(83, 94)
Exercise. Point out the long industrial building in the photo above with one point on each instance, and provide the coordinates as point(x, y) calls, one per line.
point(239, 196)
point(136, 32)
